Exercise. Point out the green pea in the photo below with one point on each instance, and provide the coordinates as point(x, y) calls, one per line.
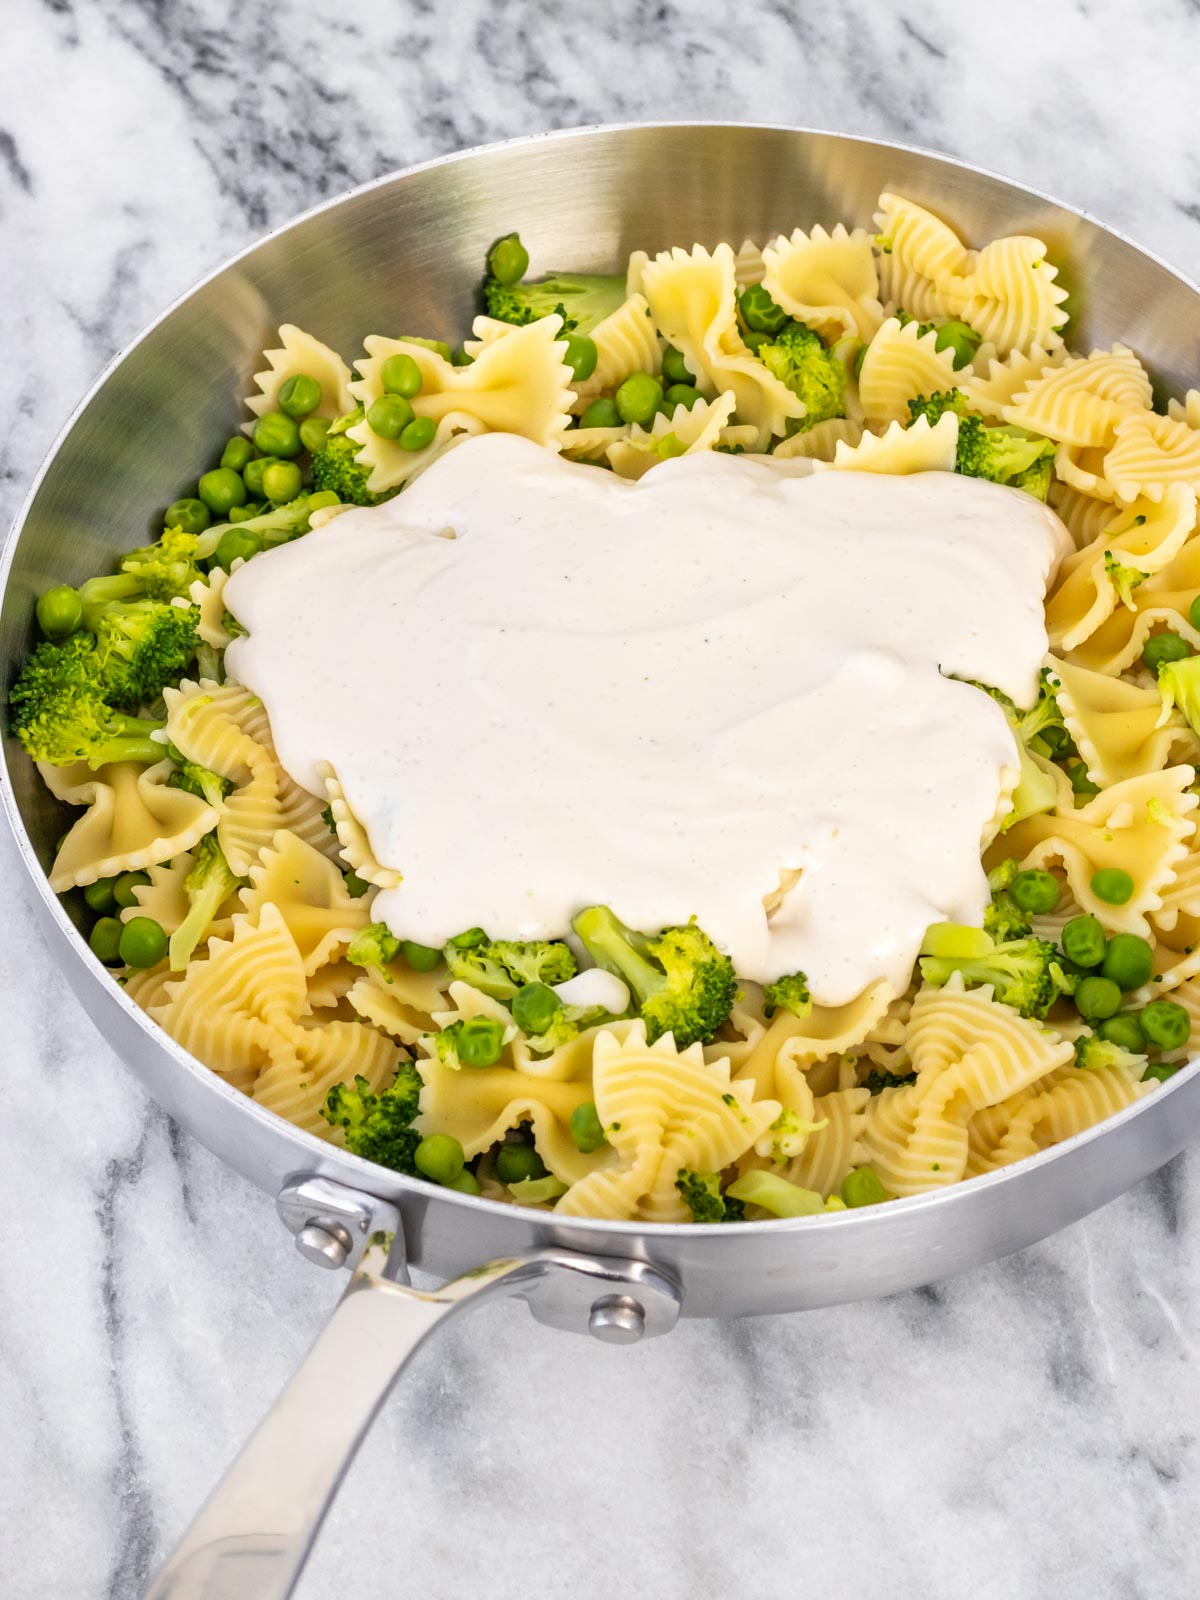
point(189, 514)
point(222, 488)
point(1128, 961)
point(401, 375)
point(1035, 892)
point(465, 1183)
point(99, 896)
point(1160, 648)
point(1097, 998)
point(675, 368)
point(1166, 1024)
point(1080, 782)
point(124, 886)
point(1124, 1030)
point(323, 498)
point(754, 341)
point(681, 394)
point(863, 1187)
point(480, 1042)
point(143, 942)
point(252, 475)
point(586, 1128)
point(582, 356)
point(277, 435)
point(237, 453)
point(601, 414)
point(419, 434)
point(439, 1157)
point(282, 482)
point(313, 432)
point(246, 513)
point(1194, 612)
point(517, 1162)
point(299, 395)
point(1162, 1070)
point(420, 957)
point(535, 1008)
point(639, 398)
point(508, 259)
point(60, 611)
point(1083, 941)
point(236, 542)
point(959, 337)
point(760, 313)
point(356, 887)
point(105, 940)
point(1113, 885)
point(389, 415)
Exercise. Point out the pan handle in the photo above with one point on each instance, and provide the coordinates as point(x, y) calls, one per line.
point(252, 1538)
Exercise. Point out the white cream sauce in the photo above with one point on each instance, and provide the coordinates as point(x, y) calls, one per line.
point(542, 686)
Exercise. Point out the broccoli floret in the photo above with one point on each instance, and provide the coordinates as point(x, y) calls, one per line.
point(374, 946)
point(1123, 579)
point(798, 359)
point(279, 525)
point(1179, 685)
point(1001, 454)
point(165, 570)
point(1036, 790)
point(702, 1195)
point(1042, 727)
point(60, 713)
point(335, 466)
point(790, 993)
point(379, 1127)
point(1025, 974)
point(209, 882)
point(1092, 1052)
point(141, 647)
point(581, 299)
point(499, 967)
point(681, 981)
point(1004, 920)
point(195, 779)
point(877, 1081)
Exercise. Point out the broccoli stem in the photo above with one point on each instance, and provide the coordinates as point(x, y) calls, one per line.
point(618, 950)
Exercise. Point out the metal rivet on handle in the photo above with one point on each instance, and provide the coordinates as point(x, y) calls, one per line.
point(617, 1319)
point(322, 1245)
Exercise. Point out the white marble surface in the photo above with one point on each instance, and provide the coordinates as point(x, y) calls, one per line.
point(1028, 1431)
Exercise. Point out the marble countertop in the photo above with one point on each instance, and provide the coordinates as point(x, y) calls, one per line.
point(1031, 1429)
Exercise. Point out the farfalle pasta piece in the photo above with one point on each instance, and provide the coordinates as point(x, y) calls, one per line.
point(1082, 468)
point(1084, 515)
point(1141, 826)
point(352, 836)
point(900, 450)
point(164, 898)
point(919, 253)
point(1083, 401)
point(401, 1002)
point(626, 341)
point(684, 433)
point(835, 1146)
point(1142, 540)
point(310, 894)
point(208, 595)
point(315, 1056)
point(748, 264)
point(692, 297)
point(826, 280)
point(1071, 1106)
point(1011, 296)
point(826, 1031)
point(1186, 410)
point(592, 444)
point(133, 820)
point(300, 354)
point(993, 384)
point(519, 382)
point(821, 441)
point(662, 1110)
point(1149, 454)
point(900, 364)
point(1117, 726)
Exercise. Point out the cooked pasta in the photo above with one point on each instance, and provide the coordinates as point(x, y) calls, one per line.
point(244, 911)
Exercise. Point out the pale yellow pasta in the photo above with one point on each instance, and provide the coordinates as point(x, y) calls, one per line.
point(748, 265)
point(626, 341)
point(993, 384)
point(919, 252)
point(208, 595)
point(1151, 452)
point(827, 280)
point(1010, 296)
point(352, 836)
point(297, 1079)
point(900, 450)
point(133, 820)
point(1083, 401)
point(901, 363)
point(820, 442)
point(311, 896)
point(1084, 515)
point(836, 1146)
point(401, 1002)
point(1118, 727)
point(685, 432)
point(827, 1031)
point(1081, 467)
point(1071, 1106)
point(300, 354)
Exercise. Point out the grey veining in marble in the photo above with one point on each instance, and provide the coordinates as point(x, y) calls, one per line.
point(1030, 1430)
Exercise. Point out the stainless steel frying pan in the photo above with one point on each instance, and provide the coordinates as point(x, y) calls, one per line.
point(405, 253)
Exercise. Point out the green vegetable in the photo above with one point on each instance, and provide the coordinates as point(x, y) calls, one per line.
point(100, 896)
point(537, 1191)
point(282, 482)
point(515, 1163)
point(586, 1128)
point(378, 1127)
point(356, 887)
point(105, 940)
point(1001, 454)
point(236, 544)
point(191, 515)
point(1095, 1050)
point(1113, 885)
point(759, 312)
point(401, 375)
point(1179, 685)
point(674, 368)
point(582, 300)
point(251, 509)
point(465, 1183)
point(682, 983)
point(1097, 998)
point(222, 488)
point(957, 940)
point(313, 432)
point(1035, 892)
point(777, 1195)
point(1128, 961)
point(863, 1187)
point(1194, 613)
point(439, 1158)
point(60, 713)
point(1080, 782)
point(681, 394)
point(1166, 1024)
point(501, 967)
point(237, 455)
point(166, 569)
point(60, 612)
point(601, 414)
point(789, 993)
point(1004, 920)
point(638, 398)
point(298, 396)
point(195, 779)
point(1083, 941)
point(252, 473)
point(582, 356)
point(210, 882)
point(1160, 648)
point(508, 260)
point(1023, 973)
point(143, 942)
point(389, 415)
point(877, 1081)
point(798, 359)
point(702, 1195)
point(535, 1007)
point(373, 946)
point(277, 435)
point(960, 338)
point(1124, 579)
point(420, 957)
point(419, 434)
point(124, 885)
point(470, 1042)
point(1125, 1030)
